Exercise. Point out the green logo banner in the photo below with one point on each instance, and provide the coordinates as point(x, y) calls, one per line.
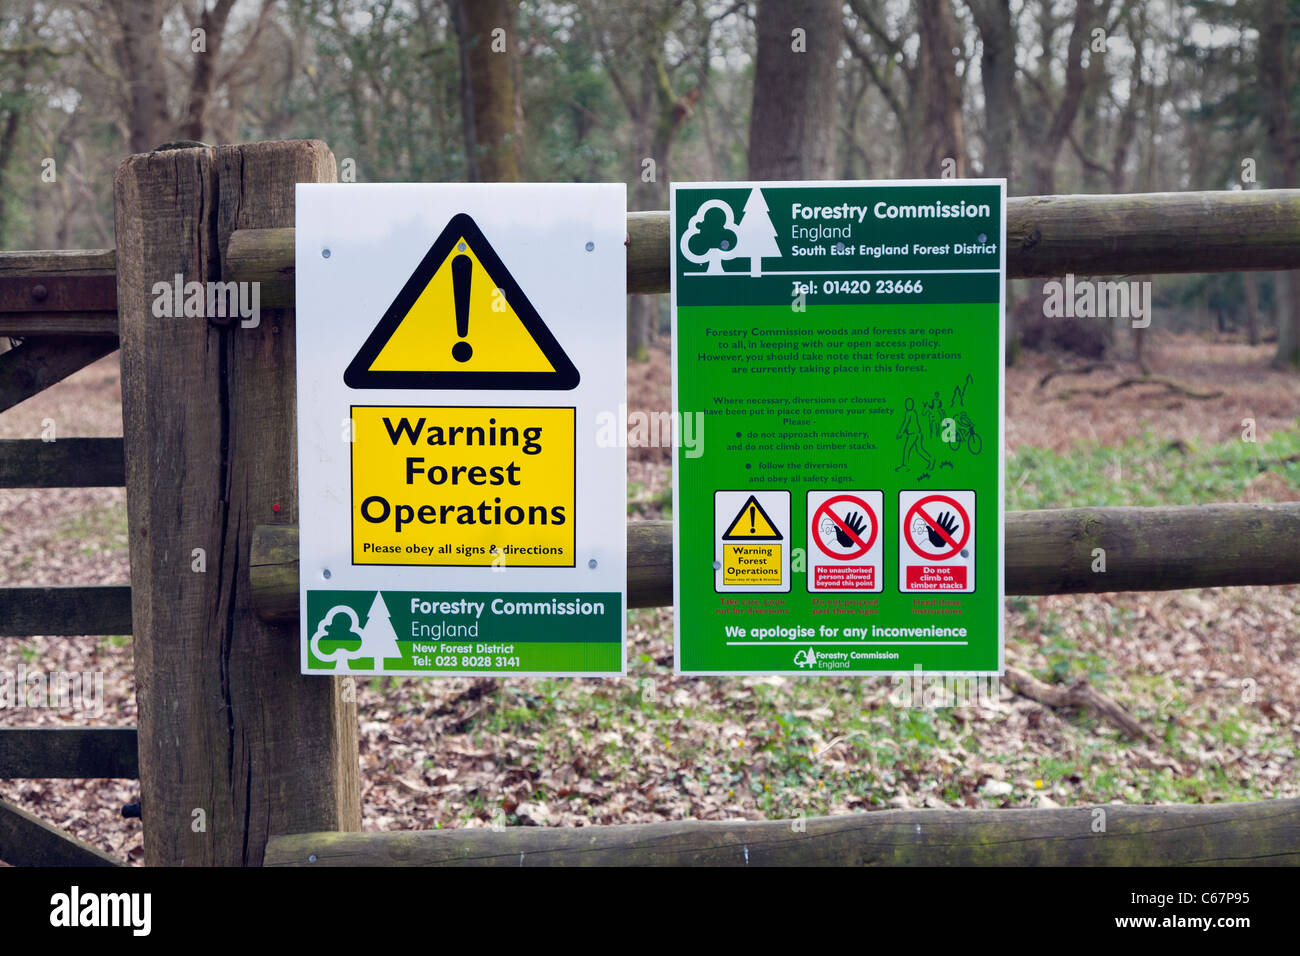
point(423, 632)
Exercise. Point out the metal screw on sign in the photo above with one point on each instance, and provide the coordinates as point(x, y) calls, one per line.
point(312, 858)
point(325, 574)
point(591, 246)
point(592, 564)
point(40, 293)
point(325, 253)
point(717, 565)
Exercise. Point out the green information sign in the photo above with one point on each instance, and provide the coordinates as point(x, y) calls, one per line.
point(842, 347)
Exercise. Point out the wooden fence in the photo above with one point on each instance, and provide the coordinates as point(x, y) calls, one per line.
point(231, 734)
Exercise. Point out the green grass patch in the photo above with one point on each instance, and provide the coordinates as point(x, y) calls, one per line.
point(1147, 470)
point(99, 531)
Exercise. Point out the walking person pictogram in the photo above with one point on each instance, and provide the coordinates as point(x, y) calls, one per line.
point(911, 433)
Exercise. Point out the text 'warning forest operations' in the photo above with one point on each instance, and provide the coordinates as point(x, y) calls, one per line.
point(463, 486)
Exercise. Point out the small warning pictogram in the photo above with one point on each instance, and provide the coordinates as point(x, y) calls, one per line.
point(752, 524)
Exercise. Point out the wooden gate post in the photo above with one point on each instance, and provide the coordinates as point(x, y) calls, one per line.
point(234, 744)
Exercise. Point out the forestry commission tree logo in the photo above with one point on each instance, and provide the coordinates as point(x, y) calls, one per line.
point(713, 235)
point(806, 658)
point(340, 626)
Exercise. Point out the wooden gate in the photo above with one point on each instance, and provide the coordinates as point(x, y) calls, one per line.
point(229, 731)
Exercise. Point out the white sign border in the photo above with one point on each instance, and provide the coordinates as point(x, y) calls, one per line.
point(608, 261)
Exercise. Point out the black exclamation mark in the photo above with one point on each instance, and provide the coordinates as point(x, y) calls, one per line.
point(751, 519)
point(462, 267)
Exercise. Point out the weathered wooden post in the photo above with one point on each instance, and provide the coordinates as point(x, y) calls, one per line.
point(234, 744)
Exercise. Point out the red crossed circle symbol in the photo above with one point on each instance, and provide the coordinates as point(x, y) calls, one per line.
point(915, 510)
point(824, 511)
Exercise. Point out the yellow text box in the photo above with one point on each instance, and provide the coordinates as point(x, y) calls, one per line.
point(751, 564)
point(463, 486)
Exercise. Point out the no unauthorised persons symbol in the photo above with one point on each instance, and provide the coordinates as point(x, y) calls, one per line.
point(847, 529)
point(937, 528)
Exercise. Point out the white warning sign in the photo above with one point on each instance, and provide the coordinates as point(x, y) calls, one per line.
point(751, 541)
point(460, 511)
point(845, 547)
point(936, 541)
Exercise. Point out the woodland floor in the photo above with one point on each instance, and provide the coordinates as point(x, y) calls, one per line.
point(1214, 674)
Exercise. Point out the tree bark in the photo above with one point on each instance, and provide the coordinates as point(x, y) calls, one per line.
point(997, 76)
point(488, 88)
point(642, 314)
point(792, 124)
point(1048, 145)
point(1251, 283)
point(9, 136)
point(213, 24)
point(139, 53)
point(1275, 78)
point(944, 134)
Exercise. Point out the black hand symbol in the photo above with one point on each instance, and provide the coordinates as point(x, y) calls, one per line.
point(946, 521)
point(856, 523)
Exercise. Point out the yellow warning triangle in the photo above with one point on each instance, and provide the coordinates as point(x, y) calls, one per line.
point(461, 321)
point(752, 524)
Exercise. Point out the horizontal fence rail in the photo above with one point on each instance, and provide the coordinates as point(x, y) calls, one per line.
point(65, 463)
point(1126, 234)
point(1123, 234)
point(1047, 552)
point(58, 292)
point(68, 752)
point(1266, 833)
point(65, 612)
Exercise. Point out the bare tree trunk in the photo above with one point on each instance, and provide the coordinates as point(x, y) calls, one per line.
point(13, 120)
point(997, 76)
point(1276, 81)
point(944, 135)
point(792, 124)
point(1091, 122)
point(488, 47)
point(1046, 141)
point(1288, 304)
point(140, 55)
point(642, 315)
point(213, 23)
point(1252, 307)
